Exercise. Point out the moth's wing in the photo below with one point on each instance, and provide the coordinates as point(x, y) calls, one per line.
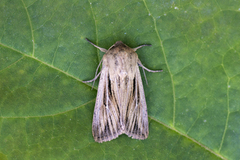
point(136, 122)
point(105, 126)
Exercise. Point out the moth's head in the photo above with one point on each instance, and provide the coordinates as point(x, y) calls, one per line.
point(118, 44)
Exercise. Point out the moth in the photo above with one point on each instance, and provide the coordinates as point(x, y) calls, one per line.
point(120, 104)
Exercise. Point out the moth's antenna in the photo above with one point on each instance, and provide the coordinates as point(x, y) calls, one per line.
point(101, 49)
point(141, 46)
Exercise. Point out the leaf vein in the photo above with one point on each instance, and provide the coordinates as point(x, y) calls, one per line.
point(30, 23)
point(165, 58)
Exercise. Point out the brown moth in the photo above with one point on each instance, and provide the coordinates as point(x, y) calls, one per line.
point(120, 104)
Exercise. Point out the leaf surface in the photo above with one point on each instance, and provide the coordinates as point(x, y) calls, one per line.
point(193, 105)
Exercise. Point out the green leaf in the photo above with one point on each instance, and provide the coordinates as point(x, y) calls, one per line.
point(194, 104)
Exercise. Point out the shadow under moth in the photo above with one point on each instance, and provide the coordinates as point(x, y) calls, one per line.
point(120, 104)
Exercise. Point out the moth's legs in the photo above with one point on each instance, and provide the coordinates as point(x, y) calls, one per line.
point(92, 79)
point(143, 67)
point(97, 71)
point(96, 75)
point(145, 76)
point(149, 70)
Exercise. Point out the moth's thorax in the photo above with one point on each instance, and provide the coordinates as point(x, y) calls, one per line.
point(120, 59)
